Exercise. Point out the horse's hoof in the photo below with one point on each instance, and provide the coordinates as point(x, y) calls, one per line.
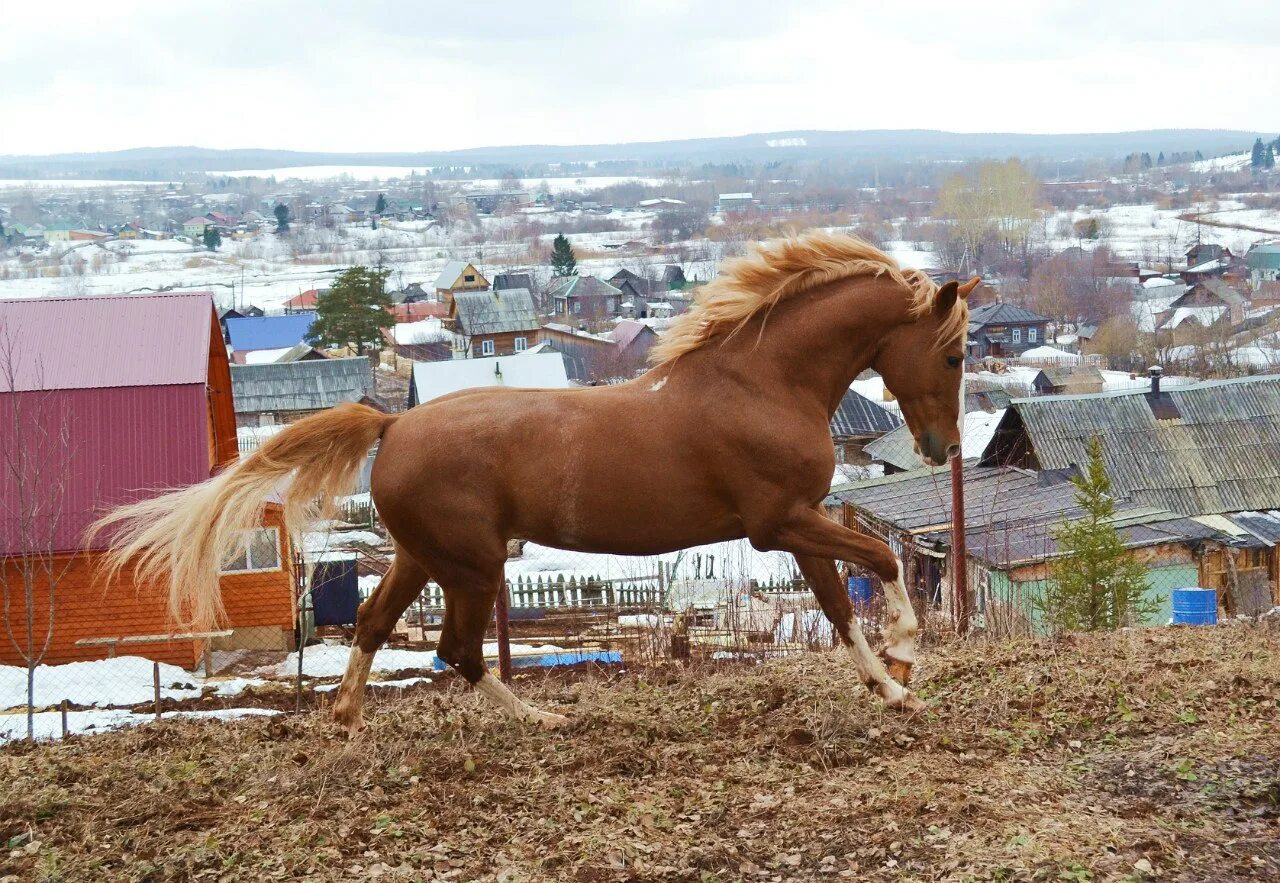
point(551, 721)
point(352, 723)
point(899, 669)
point(911, 705)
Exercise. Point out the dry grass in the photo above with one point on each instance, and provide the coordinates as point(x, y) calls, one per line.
point(1121, 757)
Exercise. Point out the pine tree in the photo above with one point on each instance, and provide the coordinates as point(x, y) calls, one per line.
point(563, 262)
point(1269, 161)
point(282, 217)
point(353, 312)
point(1258, 156)
point(212, 238)
point(1160, 159)
point(1094, 583)
point(1199, 156)
point(381, 207)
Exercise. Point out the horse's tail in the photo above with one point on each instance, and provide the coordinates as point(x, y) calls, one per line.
point(184, 538)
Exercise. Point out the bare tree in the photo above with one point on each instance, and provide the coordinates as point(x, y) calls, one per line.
point(35, 454)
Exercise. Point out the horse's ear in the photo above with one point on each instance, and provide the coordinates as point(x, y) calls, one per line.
point(946, 298)
point(968, 287)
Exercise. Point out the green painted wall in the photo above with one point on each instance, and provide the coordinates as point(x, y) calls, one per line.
point(1161, 581)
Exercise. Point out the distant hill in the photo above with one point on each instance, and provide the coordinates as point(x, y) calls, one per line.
point(889, 144)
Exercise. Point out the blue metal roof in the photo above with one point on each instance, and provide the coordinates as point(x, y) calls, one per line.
point(268, 332)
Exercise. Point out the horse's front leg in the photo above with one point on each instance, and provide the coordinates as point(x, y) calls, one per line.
point(809, 533)
point(824, 580)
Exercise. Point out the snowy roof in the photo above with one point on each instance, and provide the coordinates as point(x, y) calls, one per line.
point(525, 371)
point(1049, 352)
point(897, 448)
point(450, 272)
point(724, 196)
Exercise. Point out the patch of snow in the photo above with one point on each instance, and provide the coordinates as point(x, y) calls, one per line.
point(48, 724)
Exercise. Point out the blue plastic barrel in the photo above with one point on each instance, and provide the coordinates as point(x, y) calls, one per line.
point(1195, 606)
point(860, 589)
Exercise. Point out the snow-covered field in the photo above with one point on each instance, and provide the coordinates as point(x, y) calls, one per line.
point(48, 724)
point(72, 184)
point(390, 173)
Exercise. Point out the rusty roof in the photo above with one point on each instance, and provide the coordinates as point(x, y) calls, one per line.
point(98, 342)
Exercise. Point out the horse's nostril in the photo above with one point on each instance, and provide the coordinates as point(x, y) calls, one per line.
point(952, 450)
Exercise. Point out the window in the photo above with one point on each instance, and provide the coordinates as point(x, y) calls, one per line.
point(577, 307)
point(469, 278)
point(1017, 335)
point(1031, 335)
point(611, 304)
point(486, 347)
point(261, 551)
point(522, 344)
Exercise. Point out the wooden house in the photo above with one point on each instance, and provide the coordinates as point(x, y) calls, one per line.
point(587, 300)
point(459, 276)
point(857, 421)
point(141, 400)
point(494, 323)
point(599, 358)
point(1004, 330)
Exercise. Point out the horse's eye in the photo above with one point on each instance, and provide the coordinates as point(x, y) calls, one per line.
point(954, 361)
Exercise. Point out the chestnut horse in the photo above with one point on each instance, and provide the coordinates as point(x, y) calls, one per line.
point(732, 418)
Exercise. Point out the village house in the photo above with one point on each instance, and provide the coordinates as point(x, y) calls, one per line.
point(895, 451)
point(195, 227)
point(1263, 262)
point(1207, 450)
point(578, 300)
point(589, 358)
point(142, 395)
point(458, 276)
point(281, 392)
point(503, 281)
point(494, 323)
point(1207, 301)
point(1003, 330)
point(304, 302)
point(271, 336)
point(525, 371)
point(857, 421)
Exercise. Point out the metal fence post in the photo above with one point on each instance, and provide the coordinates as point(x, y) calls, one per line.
point(501, 616)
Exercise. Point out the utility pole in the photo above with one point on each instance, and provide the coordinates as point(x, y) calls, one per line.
point(959, 555)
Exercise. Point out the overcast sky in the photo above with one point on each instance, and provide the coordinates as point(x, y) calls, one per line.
point(380, 75)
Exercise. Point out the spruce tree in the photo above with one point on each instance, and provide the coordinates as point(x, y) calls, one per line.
point(1258, 156)
point(563, 262)
point(212, 238)
point(353, 312)
point(1269, 161)
point(282, 217)
point(1094, 583)
point(1160, 159)
point(381, 207)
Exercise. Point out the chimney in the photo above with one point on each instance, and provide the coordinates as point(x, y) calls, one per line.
point(1155, 371)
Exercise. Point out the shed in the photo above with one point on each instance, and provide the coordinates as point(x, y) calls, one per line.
point(857, 421)
point(281, 392)
point(141, 387)
point(1068, 379)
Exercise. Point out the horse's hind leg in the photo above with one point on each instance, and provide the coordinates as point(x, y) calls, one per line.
point(469, 599)
point(374, 621)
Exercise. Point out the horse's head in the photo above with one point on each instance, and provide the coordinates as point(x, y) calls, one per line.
point(922, 363)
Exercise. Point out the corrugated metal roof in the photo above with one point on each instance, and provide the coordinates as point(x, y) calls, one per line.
point(268, 332)
point(1263, 525)
point(1001, 314)
point(493, 312)
point(1222, 454)
point(897, 448)
point(116, 341)
point(300, 386)
point(858, 416)
point(449, 273)
point(1010, 514)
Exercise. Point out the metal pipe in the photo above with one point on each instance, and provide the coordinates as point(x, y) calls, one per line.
point(500, 614)
point(959, 559)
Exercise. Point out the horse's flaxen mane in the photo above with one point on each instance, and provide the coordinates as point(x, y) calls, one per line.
point(782, 267)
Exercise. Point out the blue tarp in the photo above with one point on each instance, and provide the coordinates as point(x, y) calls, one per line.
point(268, 332)
point(549, 660)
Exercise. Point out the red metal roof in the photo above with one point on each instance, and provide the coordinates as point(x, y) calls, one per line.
point(123, 380)
point(96, 342)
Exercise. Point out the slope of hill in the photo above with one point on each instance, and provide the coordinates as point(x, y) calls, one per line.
point(1129, 756)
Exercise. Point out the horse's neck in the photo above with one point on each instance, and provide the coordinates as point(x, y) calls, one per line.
point(815, 343)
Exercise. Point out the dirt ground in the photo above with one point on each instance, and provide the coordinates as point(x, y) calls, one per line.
point(1149, 754)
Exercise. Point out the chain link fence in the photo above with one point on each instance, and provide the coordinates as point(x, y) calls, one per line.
point(286, 643)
